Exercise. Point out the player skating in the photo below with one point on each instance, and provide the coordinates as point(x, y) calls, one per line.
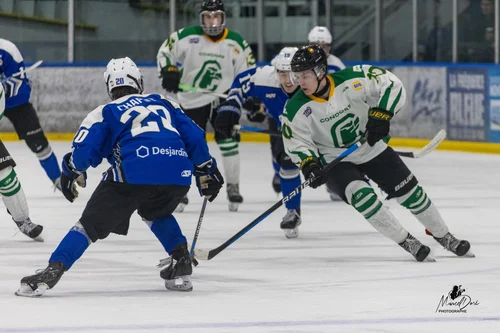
point(335, 111)
point(153, 148)
point(208, 56)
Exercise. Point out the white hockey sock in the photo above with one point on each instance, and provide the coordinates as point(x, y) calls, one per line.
point(424, 210)
point(230, 160)
point(364, 200)
point(13, 195)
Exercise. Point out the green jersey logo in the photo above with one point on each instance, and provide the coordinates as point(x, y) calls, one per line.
point(344, 132)
point(209, 75)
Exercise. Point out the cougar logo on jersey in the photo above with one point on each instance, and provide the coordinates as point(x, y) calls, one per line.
point(209, 75)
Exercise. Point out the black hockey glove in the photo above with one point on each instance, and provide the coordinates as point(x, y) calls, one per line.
point(208, 179)
point(312, 170)
point(228, 115)
point(70, 177)
point(170, 78)
point(256, 111)
point(378, 125)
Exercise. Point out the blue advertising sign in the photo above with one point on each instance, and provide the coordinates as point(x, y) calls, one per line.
point(467, 104)
point(494, 125)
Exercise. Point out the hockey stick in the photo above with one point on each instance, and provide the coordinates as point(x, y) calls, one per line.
point(204, 254)
point(197, 232)
point(436, 141)
point(432, 145)
point(26, 70)
point(186, 87)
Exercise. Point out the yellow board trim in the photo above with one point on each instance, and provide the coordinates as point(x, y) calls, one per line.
point(464, 146)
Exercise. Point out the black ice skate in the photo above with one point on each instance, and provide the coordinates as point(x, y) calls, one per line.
point(31, 229)
point(418, 250)
point(234, 197)
point(36, 285)
point(291, 222)
point(180, 207)
point(276, 184)
point(458, 246)
point(176, 270)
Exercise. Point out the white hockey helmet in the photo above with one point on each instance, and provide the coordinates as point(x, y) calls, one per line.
point(123, 72)
point(2, 100)
point(282, 61)
point(320, 35)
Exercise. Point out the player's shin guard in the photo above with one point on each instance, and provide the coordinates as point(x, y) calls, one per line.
point(49, 163)
point(168, 232)
point(276, 177)
point(230, 160)
point(290, 180)
point(365, 201)
point(71, 247)
point(13, 195)
point(424, 210)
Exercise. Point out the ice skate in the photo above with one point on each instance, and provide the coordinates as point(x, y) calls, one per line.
point(291, 222)
point(458, 246)
point(234, 197)
point(176, 270)
point(418, 250)
point(180, 207)
point(36, 285)
point(276, 184)
point(31, 229)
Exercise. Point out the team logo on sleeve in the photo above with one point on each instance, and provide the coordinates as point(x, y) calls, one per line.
point(356, 85)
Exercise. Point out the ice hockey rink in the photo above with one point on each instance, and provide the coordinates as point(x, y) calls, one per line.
point(340, 275)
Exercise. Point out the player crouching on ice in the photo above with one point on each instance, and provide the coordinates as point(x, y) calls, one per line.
point(153, 149)
point(335, 111)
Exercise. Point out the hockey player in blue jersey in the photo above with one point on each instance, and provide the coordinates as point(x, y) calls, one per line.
point(263, 93)
point(153, 149)
point(20, 111)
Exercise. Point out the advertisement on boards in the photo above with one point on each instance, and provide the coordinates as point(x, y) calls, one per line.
point(468, 111)
point(494, 103)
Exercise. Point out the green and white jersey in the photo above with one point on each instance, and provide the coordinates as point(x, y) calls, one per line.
point(324, 128)
point(204, 63)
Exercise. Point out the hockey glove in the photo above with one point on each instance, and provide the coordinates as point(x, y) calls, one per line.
point(256, 111)
point(312, 170)
point(228, 115)
point(170, 79)
point(378, 125)
point(208, 179)
point(70, 177)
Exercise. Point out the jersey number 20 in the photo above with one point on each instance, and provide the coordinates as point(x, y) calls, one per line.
point(141, 113)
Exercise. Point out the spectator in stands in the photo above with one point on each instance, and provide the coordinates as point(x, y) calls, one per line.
point(476, 34)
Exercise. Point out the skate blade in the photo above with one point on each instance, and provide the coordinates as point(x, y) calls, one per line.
point(429, 258)
point(26, 291)
point(469, 254)
point(291, 233)
point(38, 238)
point(182, 283)
point(180, 208)
point(233, 206)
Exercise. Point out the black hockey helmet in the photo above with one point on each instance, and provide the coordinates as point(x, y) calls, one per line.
point(310, 57)
point(212, 7)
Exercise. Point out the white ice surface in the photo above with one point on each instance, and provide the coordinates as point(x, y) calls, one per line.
point(340, 275)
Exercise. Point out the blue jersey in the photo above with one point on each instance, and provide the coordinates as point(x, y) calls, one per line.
point(146, 139)
point(264, 84)
point(11, 62)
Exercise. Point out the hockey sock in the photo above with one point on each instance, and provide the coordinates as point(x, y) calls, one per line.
point(13, 195)
point(71, 247)
point(276, 167)
point(168, 232)
point(290, 179)
point(230, 160)
point(49, 163)
point(365, 201)
point(424, 210)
